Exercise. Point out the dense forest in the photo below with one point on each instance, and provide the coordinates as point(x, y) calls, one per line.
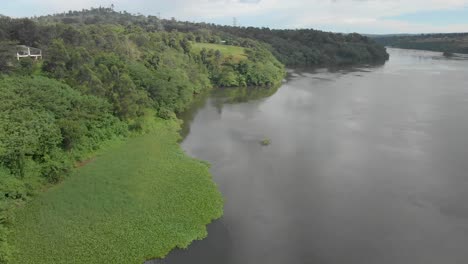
point(447, 42)
point(103, 72)
point(303, 47)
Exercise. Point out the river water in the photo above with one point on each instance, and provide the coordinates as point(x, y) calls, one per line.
point(366, 165)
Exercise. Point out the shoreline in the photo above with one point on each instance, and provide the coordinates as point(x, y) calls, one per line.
point(173, 216)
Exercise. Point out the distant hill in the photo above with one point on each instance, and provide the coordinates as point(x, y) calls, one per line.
point(387, 35)
point(304, 47)
point(443, 42)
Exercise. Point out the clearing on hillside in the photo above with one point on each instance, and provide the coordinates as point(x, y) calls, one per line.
point(238, 53)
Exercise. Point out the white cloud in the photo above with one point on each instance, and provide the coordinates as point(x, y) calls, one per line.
point(347, 15)
point(329, 8)
point(370, 15)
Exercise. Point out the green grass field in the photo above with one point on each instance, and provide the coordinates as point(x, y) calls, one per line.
point(137, 201)
point(238, 53)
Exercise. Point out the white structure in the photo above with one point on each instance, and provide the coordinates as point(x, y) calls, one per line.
point(25, 52)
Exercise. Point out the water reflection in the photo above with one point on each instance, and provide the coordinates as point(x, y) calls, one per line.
point(221, 96)
point(187, 116)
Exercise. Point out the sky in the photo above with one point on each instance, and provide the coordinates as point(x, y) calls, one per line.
point(362, 16)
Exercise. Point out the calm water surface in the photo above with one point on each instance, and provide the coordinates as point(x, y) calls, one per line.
point(366, 166)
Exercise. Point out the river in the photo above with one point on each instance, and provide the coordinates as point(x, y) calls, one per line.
point(366, 165)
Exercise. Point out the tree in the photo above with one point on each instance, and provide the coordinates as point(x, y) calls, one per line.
point(25, 31)
point(7, 56)
point(128, 101)
point(57, 58)
point(228, 78)
point(186, 45)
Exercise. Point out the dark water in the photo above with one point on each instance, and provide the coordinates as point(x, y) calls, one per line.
point(366, 166)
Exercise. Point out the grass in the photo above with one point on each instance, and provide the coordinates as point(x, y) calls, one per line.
point(135, 202)
point(238, 53)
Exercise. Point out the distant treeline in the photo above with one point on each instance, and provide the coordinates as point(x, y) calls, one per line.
point(448, 43)
point(303, 47)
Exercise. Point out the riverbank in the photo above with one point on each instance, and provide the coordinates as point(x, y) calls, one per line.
point(135, 202)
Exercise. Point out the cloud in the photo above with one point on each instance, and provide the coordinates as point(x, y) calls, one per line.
point(368, 16)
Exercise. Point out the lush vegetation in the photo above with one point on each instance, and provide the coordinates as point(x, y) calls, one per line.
point(44, 127)
point(135, 202)
point(240, 67)
point(449, 43)
point(106, 76)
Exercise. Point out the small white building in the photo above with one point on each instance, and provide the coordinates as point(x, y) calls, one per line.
point(28, 52)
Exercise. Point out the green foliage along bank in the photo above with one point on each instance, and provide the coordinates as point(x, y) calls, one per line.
point(443, 42)
point(234, 66)
point(135, 202)
point(45, 126)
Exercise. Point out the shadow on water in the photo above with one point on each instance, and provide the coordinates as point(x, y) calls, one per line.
point(339, 68)
point(243, 94)
point(316, 72)
point(189, 115)
point(238, 95)
point(222, 96)
point(197, 253)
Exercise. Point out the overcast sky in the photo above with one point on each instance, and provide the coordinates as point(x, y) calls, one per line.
point(363, 16)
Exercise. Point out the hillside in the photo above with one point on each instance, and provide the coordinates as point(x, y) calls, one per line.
point(228, 51)
point(450, 43)
point(304, 47)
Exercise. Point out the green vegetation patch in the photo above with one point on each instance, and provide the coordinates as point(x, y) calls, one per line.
point(137, 201)
point(237, 53)
point(265, 142)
